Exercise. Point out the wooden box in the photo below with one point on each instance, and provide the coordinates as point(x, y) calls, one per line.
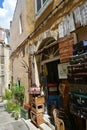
point(37, 108)
point(38, 100)
point(36, 118)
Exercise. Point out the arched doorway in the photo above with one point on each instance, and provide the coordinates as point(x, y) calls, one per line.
point(47, 57)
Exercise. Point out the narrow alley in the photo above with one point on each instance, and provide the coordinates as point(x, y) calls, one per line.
point(9, 123)
point(43, 65)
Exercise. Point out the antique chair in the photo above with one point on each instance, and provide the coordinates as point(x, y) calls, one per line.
point(59, 123)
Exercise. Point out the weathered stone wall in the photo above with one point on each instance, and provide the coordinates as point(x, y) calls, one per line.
point(26, 8)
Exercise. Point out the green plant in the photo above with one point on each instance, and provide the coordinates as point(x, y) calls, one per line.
point(17, 115)
point(10, 106)
point(18, 93)
point(16, 112)
point(8, 94)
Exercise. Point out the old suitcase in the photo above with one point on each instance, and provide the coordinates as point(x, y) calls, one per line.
point(77, 68)
point(80, 47)
point(79, 78)
point(77, 73)
point(78, 104)
point(82, 58)
point(78, 88)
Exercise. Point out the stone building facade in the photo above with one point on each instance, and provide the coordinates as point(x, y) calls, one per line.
point(4, 60)
point(47, 31)
point(21, 27)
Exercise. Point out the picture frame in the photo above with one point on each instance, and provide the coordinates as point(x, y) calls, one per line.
point(62, 70)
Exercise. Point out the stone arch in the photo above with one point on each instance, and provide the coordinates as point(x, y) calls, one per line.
point(44, 40)
point(47, 36)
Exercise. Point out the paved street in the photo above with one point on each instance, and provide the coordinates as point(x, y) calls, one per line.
point(9, 123)
point(5, 117)
point(17, 125)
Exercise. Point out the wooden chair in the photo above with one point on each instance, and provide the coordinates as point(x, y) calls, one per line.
point(59, 123)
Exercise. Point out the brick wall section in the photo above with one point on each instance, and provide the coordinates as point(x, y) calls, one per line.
point(66, 48)
point(65, 51)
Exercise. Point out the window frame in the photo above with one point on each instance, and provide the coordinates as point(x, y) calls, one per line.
point(43, 7)
point(20, 24)
point(23, 52)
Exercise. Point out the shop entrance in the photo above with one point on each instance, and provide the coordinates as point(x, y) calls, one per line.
point(52, 86)
point(52, 68)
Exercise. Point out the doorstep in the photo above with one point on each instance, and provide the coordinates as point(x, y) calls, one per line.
point(44, 126)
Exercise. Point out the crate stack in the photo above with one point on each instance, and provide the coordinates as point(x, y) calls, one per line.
point(37, 109)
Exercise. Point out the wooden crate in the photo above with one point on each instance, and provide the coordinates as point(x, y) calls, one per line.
point(36, 118)
point(38, 100)
point(37, 108)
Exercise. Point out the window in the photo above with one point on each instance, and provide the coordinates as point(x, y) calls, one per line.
point(23, 52)
point(1, 49)
point(2, 34)
point(44, 1)
point(3, 79)
point(20, 24)
point(40, 4)
point(2, 72)
point(2, 60)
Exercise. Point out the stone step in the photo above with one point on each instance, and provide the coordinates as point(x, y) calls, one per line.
point(44, 126)
point(47, 121)
point(16, 125)
point(30, 124)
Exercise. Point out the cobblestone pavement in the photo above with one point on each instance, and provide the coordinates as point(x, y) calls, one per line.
point(5, 117)
point(17, 125)
point(9, 123)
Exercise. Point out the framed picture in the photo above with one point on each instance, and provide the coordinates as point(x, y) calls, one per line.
point(62, 70)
